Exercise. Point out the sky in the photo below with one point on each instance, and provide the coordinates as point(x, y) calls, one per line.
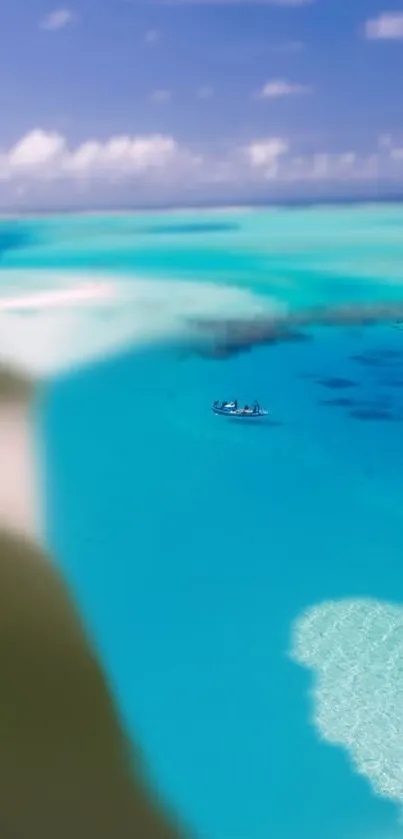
point(160, 101)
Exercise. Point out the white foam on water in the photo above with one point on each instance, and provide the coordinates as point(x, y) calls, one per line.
point(355, 649)
point(53, 321)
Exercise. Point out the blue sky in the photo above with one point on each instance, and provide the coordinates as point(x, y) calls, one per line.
point(216, 78)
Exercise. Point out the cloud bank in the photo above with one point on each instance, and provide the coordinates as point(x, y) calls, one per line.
point(159, 166)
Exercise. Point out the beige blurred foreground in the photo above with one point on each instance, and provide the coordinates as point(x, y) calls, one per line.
point(67, 770)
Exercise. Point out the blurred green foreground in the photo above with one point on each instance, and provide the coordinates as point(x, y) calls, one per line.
point(67, 770)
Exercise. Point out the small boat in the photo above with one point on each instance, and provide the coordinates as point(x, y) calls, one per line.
point(230, 409)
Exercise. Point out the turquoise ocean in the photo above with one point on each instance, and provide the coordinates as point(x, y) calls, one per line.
point(192, 543)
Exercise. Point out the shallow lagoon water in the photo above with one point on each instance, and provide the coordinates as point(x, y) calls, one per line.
point(193, 543)
point(201, 543)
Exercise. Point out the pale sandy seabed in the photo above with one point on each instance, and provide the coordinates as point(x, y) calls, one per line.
point(354, 649)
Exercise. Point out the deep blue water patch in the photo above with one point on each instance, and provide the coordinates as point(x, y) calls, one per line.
point(373, 415)
point(212, 227)
point(394, 383)
point(391, 354)
point(336, 383)
point(293, 336)
point(379, 358)
point(381, 401)
point(13, 237)
point(366, 360)
point(342, 402)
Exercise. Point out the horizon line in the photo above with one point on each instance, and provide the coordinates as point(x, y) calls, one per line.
point(227, 206)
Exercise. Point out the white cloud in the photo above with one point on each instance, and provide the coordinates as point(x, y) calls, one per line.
point(42, 154)
point(384, 141)
point(161, 96)
point(57, 19)
point(280, 87)
point(123, 153)
point(153, 36)
point(35, 149)
point(388, 26)
point(48, 155)
point(347, 159)
point(328, 167)
point(323, 166)
point(263, 153)
point(205, 92)
point(320, 166)
point(275, 159)
point(44, 166)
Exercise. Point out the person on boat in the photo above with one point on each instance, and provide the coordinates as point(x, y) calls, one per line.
point(256, 407)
